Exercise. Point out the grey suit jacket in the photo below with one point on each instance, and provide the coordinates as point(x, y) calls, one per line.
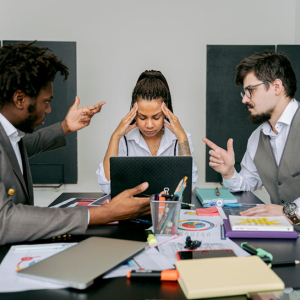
point(19, 220)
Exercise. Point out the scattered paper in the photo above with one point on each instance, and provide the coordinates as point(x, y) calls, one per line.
point(17, 260)
point(149, 259)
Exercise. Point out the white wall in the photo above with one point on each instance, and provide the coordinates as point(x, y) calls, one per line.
point(117, 40)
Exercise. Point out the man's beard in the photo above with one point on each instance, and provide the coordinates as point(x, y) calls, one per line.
point(260, 118)
point(27, 124)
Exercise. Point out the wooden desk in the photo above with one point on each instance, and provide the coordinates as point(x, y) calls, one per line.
point(122, 288)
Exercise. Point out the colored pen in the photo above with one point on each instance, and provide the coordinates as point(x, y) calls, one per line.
point(285, 263)
point(175, 236)
point(217, 192)
point(168, 275)
point(144, 221)
point(46, 247)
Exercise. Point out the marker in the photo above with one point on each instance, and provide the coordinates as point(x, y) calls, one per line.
point(217, 192)
point(46, 247)
point(166, 275)
point(257, 251)
point(285, 263)
point(150, 237)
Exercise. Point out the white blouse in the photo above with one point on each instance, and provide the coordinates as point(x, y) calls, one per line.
point(138, 147)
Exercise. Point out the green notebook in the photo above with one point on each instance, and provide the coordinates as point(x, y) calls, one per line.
point(207, 195)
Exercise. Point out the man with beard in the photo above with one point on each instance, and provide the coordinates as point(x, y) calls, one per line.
point(26, 78)
point(271, 159)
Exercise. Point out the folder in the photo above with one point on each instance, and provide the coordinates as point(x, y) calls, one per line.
point(207, 195)
point(258, 234)
point(226, 276)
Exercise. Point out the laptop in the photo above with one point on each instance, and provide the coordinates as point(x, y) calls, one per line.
point(159, 171)
point(78, 266)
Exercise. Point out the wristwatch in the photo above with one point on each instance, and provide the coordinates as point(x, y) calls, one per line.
point(290, 211)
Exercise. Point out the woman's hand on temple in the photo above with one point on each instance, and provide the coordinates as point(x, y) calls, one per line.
point(124, 127)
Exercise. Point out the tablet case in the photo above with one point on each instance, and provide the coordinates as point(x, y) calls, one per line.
point(159, 171)
point(78, 266)
point(257, 234)
point(226, 276)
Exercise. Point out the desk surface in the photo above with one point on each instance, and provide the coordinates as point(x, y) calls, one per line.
point(123, 288)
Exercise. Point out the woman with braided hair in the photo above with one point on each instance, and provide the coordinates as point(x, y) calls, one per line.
point(149, 129)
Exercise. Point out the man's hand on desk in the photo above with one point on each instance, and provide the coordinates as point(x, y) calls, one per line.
point(264, 210)
point(122, 207)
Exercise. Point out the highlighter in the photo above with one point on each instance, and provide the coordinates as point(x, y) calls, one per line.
point(150, 237)
point(165, 275)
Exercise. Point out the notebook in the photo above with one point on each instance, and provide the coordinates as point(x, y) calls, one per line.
point(226, 276)
point(159, 171)
point(207, 195)
point(78, 266)
point(254, 223)
point(258, 234)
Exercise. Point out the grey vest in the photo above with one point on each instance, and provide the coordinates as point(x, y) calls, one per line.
point(282, 182)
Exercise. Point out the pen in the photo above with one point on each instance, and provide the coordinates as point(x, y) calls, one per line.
point(217, 192)
point(169, 275)
point(46, 247)
point(285, 263)
point(175, 236)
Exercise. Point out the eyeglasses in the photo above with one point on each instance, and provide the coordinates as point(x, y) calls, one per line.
point(247, 90)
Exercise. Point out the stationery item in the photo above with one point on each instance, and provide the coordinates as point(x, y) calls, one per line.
point(165, 275)
point(256, 251)
point(168, 222)
point(211, 211)
point(258, 234)
point(285, 263)
point(93, 257)
point(217, 192)
point(209, 195)
point(175, 236)
point(226, 276)
point(279, 223)
point(150, 237)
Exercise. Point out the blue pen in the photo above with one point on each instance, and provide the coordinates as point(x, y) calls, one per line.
point(144, 221)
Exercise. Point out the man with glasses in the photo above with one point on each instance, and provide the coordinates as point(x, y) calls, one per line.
point(271, 159)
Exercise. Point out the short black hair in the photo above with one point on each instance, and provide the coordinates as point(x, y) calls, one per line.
point(27, 68)
point(152, 85)
point(268, 66)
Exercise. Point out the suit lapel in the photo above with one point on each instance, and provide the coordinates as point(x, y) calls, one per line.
point(12, 158)
point(26, 171)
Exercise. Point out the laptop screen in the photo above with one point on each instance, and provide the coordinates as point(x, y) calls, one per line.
point(159, 171)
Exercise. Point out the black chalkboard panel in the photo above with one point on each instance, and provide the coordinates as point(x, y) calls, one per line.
point(59, 166)
point(293, 53)
point(226, 116)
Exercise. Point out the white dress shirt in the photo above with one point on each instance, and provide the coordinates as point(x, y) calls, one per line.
point(248, 179)
point(138, 147)
point(14, 136)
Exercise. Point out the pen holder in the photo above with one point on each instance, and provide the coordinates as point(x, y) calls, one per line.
point(165, 216)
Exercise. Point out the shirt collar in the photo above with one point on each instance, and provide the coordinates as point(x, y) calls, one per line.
point(285, 118)
point(11, 131)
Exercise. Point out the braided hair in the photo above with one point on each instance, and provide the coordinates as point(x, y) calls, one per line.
point(152, 85)
point(27, 68)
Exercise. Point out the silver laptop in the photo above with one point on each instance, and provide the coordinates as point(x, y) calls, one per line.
point(78, 266)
